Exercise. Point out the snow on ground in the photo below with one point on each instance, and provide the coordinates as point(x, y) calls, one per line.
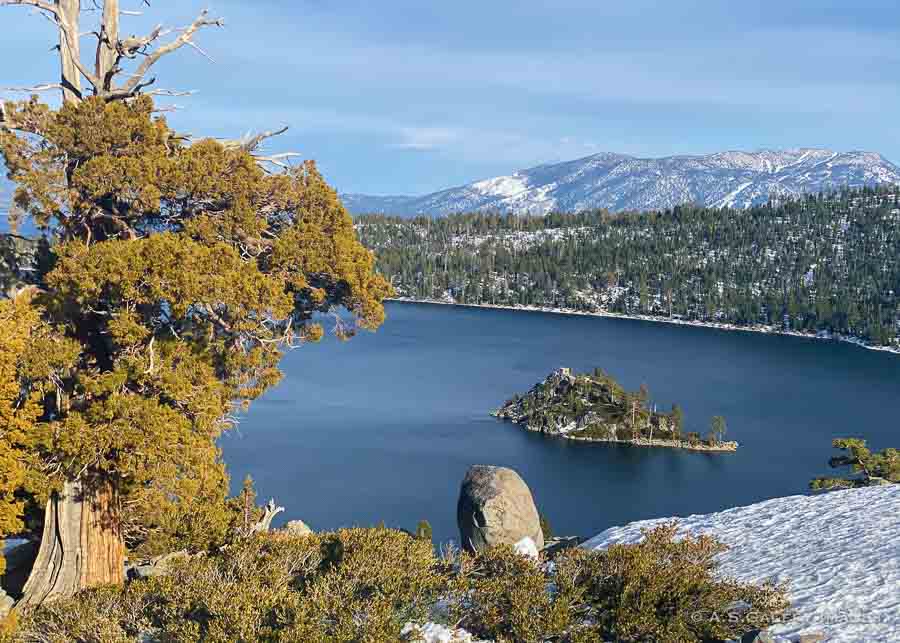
point(435, 633)
point(839, 550)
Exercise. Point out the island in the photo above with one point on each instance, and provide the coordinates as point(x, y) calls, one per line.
point(596, 408)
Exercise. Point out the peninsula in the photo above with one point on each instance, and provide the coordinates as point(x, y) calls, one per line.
point(596, 408)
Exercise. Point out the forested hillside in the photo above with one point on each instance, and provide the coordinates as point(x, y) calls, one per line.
point(828, 262)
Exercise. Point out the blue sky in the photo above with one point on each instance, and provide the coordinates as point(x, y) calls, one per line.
point(410, 96)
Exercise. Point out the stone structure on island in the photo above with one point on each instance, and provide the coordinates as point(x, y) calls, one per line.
point(495, 507)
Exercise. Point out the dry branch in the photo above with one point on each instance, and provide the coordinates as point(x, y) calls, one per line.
point(202, 21)
point(39, 4)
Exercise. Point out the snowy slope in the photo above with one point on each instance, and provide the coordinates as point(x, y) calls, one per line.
point(840, 551)
point(619, 182)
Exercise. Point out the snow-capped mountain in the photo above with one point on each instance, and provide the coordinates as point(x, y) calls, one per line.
point(619, 182)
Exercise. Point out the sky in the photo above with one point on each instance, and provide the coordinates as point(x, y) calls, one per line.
point(412, 96)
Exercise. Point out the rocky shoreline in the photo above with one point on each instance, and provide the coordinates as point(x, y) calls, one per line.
point(725, 447)
point(767, 330)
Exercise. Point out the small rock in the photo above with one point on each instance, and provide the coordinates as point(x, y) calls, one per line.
point(496, 508)
point(297, 528)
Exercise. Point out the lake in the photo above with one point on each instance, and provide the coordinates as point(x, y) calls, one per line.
point(383, 427)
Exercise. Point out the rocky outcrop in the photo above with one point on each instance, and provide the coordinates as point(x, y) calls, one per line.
point(496, 508)
point(22, 262)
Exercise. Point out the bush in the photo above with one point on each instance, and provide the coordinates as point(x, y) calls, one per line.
point(660, 589)
point(663, 589)
point(351, 585)
point(502, 595)
point(366, 584)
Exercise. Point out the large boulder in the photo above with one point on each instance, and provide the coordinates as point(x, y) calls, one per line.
point(496, 508)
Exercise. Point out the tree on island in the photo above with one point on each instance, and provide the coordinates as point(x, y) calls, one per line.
point(182, 270)
point(677, 421)
point(866, 468)
point(717, 429)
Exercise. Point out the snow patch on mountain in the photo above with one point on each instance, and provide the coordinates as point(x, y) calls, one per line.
point(619, 182)
point(840, 552)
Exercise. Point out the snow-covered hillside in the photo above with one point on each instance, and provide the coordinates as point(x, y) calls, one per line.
point(619, 182)
point(840, 551)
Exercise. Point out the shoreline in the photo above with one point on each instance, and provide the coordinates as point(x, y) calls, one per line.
point(729, 446)
point(766, 330)
point(725, 447)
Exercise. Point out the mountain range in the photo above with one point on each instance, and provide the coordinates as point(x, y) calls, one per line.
point(619, 182)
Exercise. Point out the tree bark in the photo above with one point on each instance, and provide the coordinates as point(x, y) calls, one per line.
point(81, 545)
point(109, 40)
point(69, 48)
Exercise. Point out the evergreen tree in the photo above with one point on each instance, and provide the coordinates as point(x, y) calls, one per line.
point(866, 468)
point(182, 271)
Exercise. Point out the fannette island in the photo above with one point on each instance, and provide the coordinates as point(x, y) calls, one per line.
point(596, 408)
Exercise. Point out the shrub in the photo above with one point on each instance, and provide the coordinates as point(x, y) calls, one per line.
point(499, 594)
point(663, 589)
point(366, 584)
point(350, 585)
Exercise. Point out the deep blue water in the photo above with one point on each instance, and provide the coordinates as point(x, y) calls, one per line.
point(383, 427)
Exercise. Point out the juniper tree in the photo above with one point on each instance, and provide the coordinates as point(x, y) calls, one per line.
point(182, 271)
point(866, 468)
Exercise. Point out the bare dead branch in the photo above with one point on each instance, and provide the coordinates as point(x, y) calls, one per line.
point(277, 159)
point(39, 4)
point(250, 143)
point(183, 39)
point(171, 93)
point(130, 47)
point(35, 89)
point(202, 53)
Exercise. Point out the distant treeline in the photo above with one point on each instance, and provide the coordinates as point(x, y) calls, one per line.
point(827, 262)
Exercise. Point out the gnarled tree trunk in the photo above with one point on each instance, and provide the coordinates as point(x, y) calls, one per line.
point(81, 545)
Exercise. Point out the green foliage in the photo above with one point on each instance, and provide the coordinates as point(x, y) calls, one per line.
point(602, 410)
point(828, 262)
point(181, 274)
point(718, 428)
point(665, 589)
point(866, 468)
point(365, 584)
point(677, 416)
point(502, 595)
point(267, 588)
